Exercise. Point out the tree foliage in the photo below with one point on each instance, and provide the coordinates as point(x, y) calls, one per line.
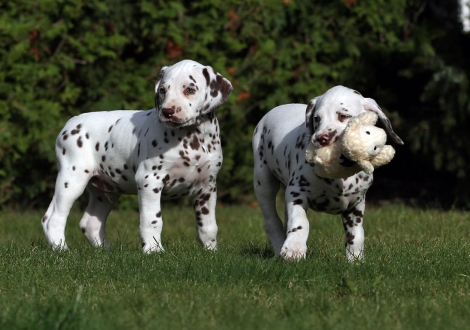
point(64, 57)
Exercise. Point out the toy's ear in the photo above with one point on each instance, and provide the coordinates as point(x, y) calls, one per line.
point(309, 115)
point(157, 86)
point(371, 105)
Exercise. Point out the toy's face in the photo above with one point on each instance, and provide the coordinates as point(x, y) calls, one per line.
point(374, 138)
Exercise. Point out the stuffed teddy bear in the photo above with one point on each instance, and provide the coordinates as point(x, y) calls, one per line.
point(361, 147)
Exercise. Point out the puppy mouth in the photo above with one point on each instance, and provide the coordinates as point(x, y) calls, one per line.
point(173, 122)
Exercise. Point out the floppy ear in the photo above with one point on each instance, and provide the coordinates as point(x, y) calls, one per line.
point(371, 105)
point(309, 115)
point(157, 86)
point(218, 89)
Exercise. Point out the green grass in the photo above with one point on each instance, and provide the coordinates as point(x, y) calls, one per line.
point(416, 275)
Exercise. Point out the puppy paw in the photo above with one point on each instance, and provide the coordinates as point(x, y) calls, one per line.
point(293, 252)
point(150, 248)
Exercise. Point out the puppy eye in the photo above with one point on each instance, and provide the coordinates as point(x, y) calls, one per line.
point(368, 132)
point(316, 119)
point(190, 90)
point(162, 90)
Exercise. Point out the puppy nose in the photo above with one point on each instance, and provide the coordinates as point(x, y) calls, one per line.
point(168, 112)
point(323, 139)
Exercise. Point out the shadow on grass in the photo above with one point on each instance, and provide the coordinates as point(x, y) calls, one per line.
point(258, 251)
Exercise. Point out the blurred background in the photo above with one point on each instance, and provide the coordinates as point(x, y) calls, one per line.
point(60, 58)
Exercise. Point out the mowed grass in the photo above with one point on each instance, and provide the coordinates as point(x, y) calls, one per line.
point(416, 275)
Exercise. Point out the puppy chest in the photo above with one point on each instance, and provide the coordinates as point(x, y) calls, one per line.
point(191, 167)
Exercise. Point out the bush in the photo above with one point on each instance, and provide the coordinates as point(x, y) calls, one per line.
point(62, 58)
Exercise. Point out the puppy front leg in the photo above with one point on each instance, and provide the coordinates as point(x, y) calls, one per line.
point(297, 227)
point(206, 226)
point(151, 221)
point(352, 222)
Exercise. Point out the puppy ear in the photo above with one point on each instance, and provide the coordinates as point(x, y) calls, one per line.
point(218, 89)
point(157, 86)
point(371, 105)
point(309, 115)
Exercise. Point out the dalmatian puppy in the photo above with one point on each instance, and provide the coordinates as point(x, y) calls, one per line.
point(170, 151)
point(279, 144)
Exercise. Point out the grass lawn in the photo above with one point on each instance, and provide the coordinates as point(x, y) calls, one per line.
point(416, 275)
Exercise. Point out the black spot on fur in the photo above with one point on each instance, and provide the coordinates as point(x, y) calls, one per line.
point(79, 142)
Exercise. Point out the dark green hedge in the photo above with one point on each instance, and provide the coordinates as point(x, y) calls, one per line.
point(60, 58)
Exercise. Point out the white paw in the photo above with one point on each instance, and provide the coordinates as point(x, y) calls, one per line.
point(354, 255)
point(150, 248)
point(293, 251)
point(210, 245)
point(59, 246)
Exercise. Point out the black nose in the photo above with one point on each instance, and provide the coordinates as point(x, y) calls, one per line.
point(168, 112)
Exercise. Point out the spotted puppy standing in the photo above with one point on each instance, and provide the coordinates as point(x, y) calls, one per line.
point(279, 144)
point(170, 151)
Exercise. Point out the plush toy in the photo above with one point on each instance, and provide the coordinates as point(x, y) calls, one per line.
point(361, 147)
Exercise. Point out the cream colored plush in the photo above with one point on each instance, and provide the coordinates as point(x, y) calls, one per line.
point(360, 148)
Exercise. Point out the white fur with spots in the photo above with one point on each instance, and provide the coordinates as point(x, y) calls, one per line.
point(279, 144)
point(170, 151)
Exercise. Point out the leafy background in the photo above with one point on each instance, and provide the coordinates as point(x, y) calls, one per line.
point(60, 58)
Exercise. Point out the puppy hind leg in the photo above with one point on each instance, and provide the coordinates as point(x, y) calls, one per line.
point(266, 186)
point(93, 222)
point(68, 188)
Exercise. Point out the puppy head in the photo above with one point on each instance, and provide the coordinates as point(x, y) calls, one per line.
point(327, 115)
point(186, 91)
